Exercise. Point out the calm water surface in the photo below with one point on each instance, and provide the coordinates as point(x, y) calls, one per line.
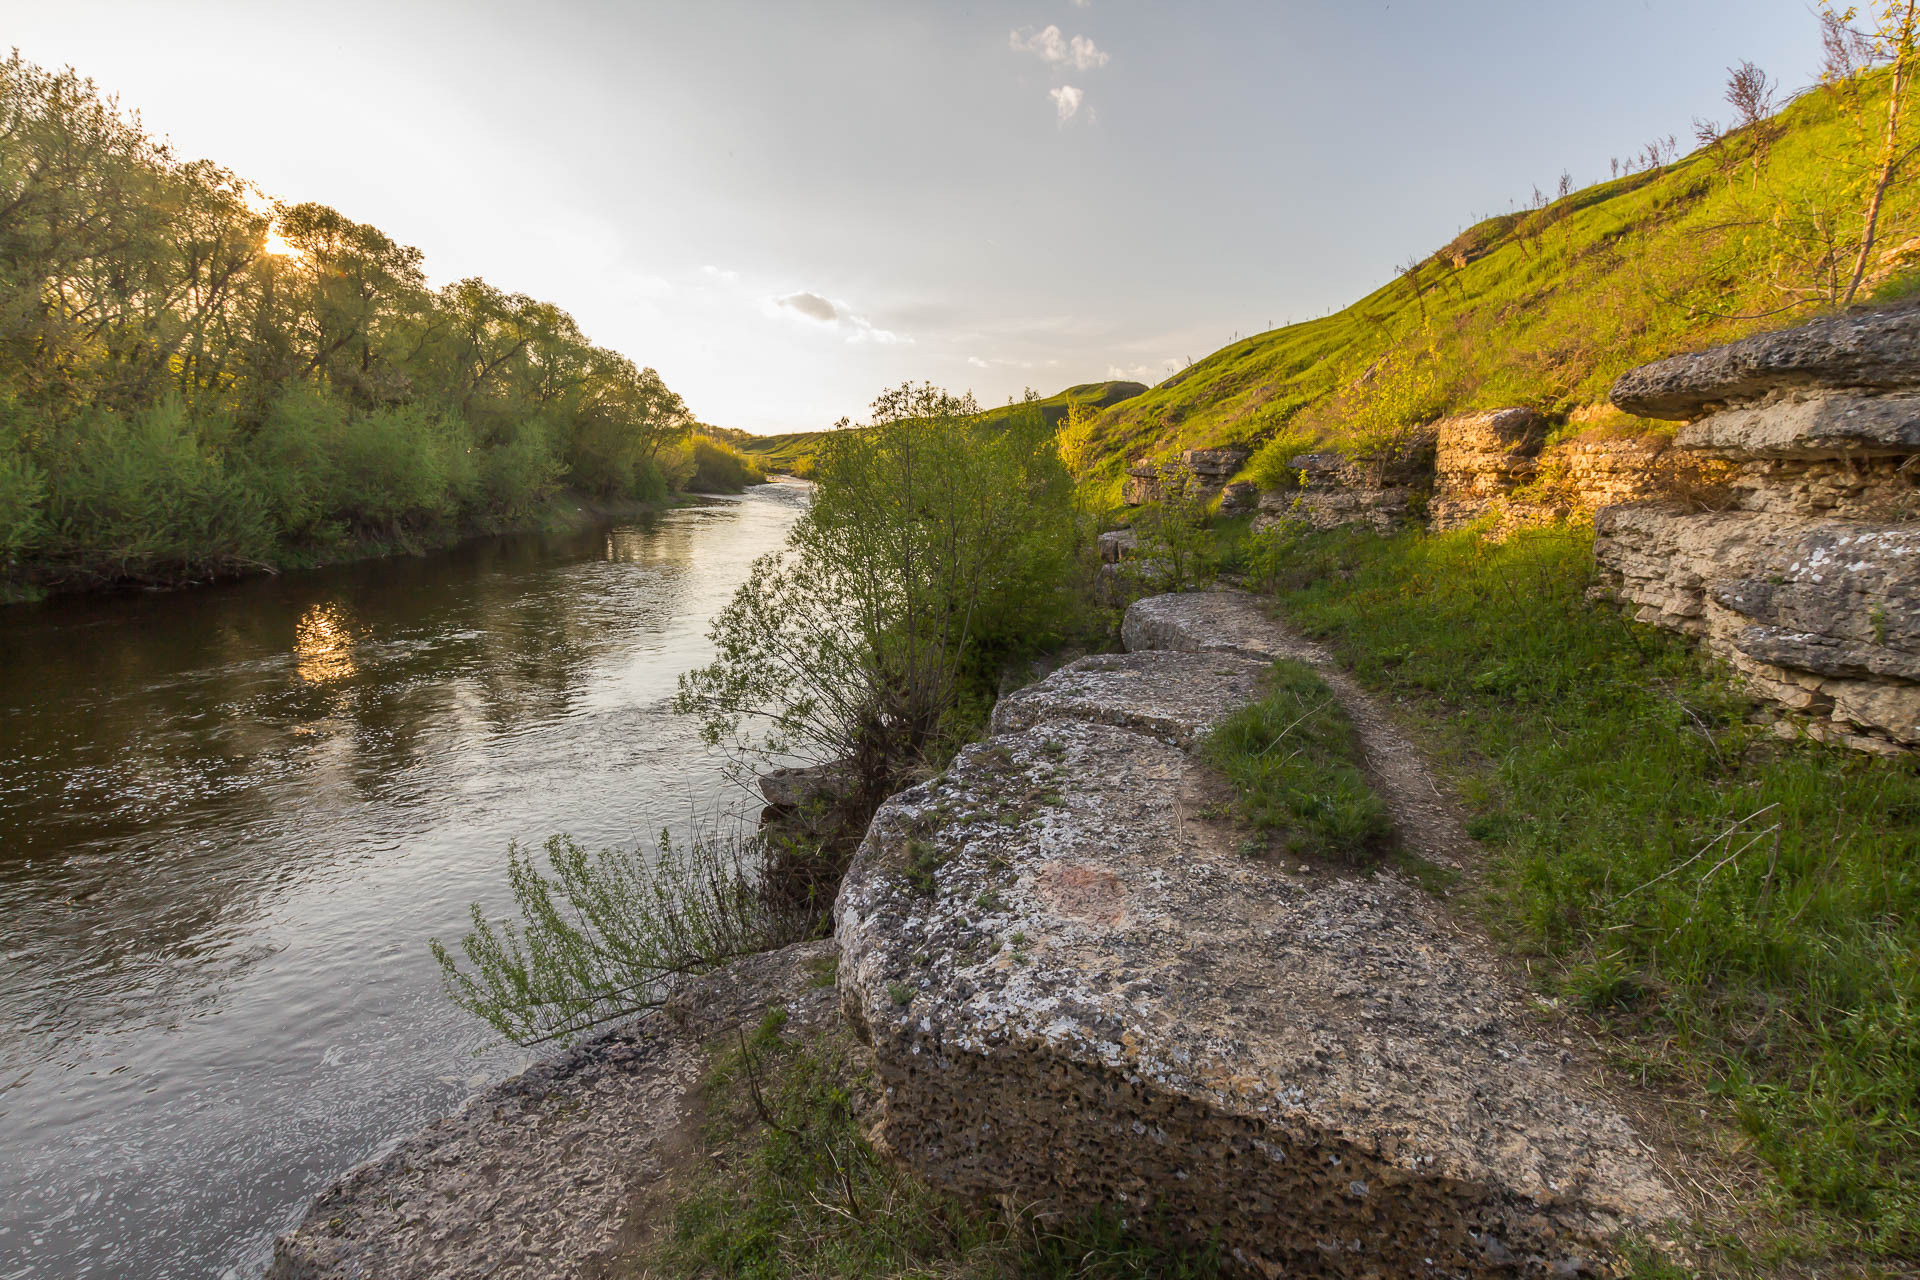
point(230, 819)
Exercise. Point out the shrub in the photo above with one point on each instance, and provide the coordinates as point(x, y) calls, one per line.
point(935, 544)
point(718, 467)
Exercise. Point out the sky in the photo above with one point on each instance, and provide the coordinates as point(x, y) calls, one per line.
point(787, 206)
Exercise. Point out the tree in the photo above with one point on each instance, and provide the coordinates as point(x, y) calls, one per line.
point(1895, 39)
point(935, 543)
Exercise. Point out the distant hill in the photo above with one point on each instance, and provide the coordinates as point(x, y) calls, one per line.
point(793, 451)
point(1546, 306)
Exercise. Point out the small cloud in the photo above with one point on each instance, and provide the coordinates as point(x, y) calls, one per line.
point(728, 277)
point(811, 305)
point(1049, 45)
point(1066, 101)
point(828, 314)
point(976, 362)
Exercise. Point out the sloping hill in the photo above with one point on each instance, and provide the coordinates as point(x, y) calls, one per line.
point(793, 451)
point(1545, 307)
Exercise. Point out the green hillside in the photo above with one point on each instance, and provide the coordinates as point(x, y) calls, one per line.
point(793, 451)
point(1547, 306)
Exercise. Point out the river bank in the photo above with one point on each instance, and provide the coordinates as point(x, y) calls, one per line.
point(982, 931)
point(571, 511)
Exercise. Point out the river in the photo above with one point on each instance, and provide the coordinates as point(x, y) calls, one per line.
point(231, 818)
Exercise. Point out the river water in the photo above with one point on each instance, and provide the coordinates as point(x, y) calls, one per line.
point(232, 817)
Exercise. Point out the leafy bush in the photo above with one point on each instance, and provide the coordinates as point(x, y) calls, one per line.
point(1271, 466)
point(23, 488)
point(143, 494)
point(935, 546)
point(718, 467)
point(605, 935)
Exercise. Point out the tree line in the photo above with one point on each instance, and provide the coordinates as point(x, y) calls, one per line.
point(196, 379)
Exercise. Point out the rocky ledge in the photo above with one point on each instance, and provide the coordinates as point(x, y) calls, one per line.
point(1083, 989)
point(547, 1174)
point(1807, 580)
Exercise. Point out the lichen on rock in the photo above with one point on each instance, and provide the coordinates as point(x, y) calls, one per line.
point(1081, 992)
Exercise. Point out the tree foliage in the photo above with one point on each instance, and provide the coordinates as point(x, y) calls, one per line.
point(936, 544)
point(169, 338)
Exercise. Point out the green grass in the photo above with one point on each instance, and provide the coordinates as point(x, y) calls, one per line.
point(1295, 764)
point(792, 1188)
point(1549, 308)
point(792, 452)
point(1746, 909)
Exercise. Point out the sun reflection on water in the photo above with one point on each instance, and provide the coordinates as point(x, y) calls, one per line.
point(323, 645)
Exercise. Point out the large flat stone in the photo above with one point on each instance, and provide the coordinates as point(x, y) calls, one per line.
point(1080, 992)
point(1208, 622)
point(1829, 424)
point(1874, 349)
point(1175, 697)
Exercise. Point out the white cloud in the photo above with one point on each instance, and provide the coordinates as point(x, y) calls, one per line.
point(811, 305)
point(1080, 53)
point(825, 313)
point(1066, 101)
point(976, 362)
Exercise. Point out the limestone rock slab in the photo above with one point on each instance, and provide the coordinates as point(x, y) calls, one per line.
point(1080, 993)
point(1175, 697)
point(1229, 622)
point(1806, 425)
point(535, 1178)
point(1876, 349)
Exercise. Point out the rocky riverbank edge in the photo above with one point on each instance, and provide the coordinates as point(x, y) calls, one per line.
point(1080, 990)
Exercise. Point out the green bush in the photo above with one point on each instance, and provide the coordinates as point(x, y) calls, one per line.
point(719, 467)
point(1271, 466)
point(147, 495)
point(23, 490)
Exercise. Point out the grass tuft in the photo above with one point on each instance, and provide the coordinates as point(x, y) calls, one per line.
point(1294, 760)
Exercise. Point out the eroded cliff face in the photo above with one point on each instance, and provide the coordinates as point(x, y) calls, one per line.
point(1081, 991)
point(1808, 582)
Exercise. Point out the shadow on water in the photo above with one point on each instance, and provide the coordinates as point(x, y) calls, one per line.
point(231, 817)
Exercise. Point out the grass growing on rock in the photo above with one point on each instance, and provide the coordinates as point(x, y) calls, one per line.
point(1294, 760)
point(1748, 908)
point(791, 1187)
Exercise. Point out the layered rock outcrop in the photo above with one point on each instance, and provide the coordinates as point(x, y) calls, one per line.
point(1386, 491)
point(1081, 991)
point(1482, 458)
point(1809, 581)
point(1201, 474)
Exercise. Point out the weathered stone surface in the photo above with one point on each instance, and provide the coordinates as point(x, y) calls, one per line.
point(1239, 498)
point(1822, 616)
point(1861, 349)
point(1201, 474)
point(538, 1177)
point(1481, 458)
point(1230, 622)
point(1807, 583)
point(1117, 544)
point(1175, 697)
point(800, 786)
point(1079, 992)
point(1384, 492)
point(1883, 490)
point(1805, 425)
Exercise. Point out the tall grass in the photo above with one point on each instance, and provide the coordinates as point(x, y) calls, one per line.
point(1751, 907)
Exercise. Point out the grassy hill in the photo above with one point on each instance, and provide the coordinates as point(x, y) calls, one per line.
point(1547, 306)
point(793, 451)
